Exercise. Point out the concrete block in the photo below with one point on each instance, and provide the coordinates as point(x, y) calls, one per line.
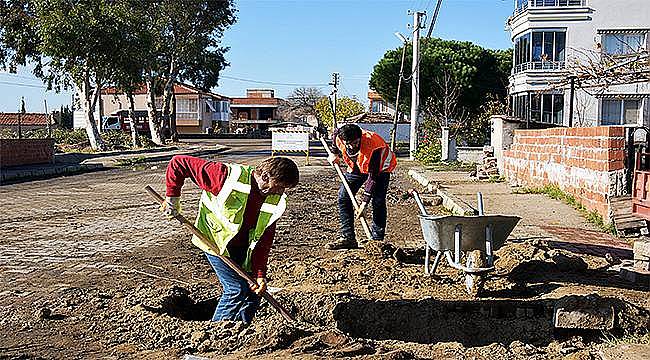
point(641, 249)
point(641, 255)
point(584, 312)
point(636, 276)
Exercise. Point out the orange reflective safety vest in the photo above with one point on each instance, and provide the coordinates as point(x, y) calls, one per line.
point(370, 141)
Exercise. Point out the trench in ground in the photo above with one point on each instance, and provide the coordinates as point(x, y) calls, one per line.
point(429, 321)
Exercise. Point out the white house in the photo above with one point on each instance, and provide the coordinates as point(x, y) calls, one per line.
point(550, 37)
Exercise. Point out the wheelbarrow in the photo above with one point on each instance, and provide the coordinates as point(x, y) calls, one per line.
point(476, 237)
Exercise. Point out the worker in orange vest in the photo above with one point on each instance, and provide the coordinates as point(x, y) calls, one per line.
point(370, 161)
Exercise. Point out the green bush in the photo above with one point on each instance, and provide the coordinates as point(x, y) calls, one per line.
point(67, 140)
point(429, 151)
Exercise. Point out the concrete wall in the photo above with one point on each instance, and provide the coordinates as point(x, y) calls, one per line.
point(468, 154)
point(14, 152)
point(502, 133)
point(587, 163)
point(383, 129)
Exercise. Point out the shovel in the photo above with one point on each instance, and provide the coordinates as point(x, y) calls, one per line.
point(270, 299)
point(364, 223)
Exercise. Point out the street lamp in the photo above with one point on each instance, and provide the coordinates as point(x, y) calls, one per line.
point(401, 37)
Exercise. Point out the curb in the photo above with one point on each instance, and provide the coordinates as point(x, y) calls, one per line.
point(47, 173)
point(449, 201)
point(86, 166)
point(111, 161)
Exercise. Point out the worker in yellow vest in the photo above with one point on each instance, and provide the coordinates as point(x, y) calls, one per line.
point(238, 211)
point(369, 160)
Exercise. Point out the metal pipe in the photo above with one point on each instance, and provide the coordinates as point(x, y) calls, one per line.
point(479, 197)
point(436, 262)
point(457, 236)
point(488, 245)
point(456, 265)
point(418, 201)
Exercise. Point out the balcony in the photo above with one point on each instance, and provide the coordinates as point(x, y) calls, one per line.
point(539, 65)
point(526, 4)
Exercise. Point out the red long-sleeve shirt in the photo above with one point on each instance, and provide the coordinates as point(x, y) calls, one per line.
point(210, 176)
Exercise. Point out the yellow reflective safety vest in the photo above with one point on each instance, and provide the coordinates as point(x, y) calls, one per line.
point(221, 216)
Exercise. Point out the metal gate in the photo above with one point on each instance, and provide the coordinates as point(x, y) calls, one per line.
point(638, 170)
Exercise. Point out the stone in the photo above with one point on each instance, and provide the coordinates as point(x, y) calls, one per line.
point(626, 352)
point(584, 312)
point(636, 276)
point(43, 313)
point(198, 336)
point(566, 262)
point(641, 255)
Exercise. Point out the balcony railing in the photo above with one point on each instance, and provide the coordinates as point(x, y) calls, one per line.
point(547, 3)
point(539, 65)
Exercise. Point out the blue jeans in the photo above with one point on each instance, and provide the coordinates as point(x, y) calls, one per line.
point(238, 302)
point(346, 209)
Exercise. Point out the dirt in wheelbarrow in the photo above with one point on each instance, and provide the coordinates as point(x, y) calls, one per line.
point(375, 302)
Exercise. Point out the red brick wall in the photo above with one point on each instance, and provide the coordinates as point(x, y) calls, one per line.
point(15, 152)
point(587, 163)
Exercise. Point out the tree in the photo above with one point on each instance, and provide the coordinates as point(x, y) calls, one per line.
point(443, 108)
point(77, 39)
point(345, 107)
point(185, 45)
point(18, 35)
point(475, 70)
point(301, 102)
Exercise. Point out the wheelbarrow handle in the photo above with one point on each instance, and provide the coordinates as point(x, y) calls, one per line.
point(231, 264)
point(418, 201)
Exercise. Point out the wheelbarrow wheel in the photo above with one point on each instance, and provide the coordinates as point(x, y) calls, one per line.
point(474, 282)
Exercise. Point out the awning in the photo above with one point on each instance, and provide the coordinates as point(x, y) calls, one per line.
point(622, 96)
point(237, 121)
point(209, 103)
point(623, 31)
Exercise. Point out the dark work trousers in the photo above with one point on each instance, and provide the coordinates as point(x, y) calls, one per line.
point(346, 209)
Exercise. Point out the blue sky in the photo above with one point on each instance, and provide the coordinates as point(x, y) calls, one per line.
point(303, 41)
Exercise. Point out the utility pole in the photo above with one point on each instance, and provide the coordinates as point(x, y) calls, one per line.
point(571, 96)
point(393, 135)
point(49, 121)
point(335, 83)
point(415, 84)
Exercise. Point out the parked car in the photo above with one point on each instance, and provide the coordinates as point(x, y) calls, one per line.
point(120, 120)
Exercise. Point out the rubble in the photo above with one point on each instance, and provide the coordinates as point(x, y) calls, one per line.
point(488, 168)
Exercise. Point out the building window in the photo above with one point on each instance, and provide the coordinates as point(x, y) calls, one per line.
point(619, 112)
point(540, 50)
point(622, 44)
point(378, 106)
point(187, 109)
point(544, 108)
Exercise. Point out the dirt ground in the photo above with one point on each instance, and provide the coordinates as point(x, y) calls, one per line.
point(154, 299)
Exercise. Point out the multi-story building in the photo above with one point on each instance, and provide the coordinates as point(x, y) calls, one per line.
point(257, 111)
point(552, 38)
point(196, 110)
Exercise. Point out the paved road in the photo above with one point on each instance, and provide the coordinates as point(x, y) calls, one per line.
point(51, 228)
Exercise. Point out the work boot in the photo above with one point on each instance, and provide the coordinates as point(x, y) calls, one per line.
point(343, 243)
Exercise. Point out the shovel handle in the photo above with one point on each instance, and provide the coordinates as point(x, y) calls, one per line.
point(231, 264)
point(364, 223)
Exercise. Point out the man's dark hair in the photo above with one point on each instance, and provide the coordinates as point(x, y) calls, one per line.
point(282, 169)
point(350, 132)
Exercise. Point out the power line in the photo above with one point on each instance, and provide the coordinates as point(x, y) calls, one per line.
point(269, 82)
point(434, 18)
point(24, 85)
